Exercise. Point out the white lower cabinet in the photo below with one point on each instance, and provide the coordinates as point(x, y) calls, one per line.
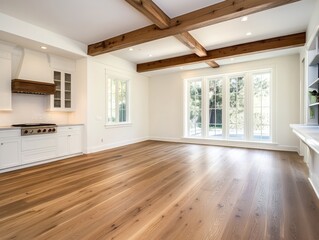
point(9, 152)
point(17, 151)
point(69, 140)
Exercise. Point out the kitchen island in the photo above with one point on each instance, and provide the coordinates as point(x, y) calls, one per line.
point(309, 135)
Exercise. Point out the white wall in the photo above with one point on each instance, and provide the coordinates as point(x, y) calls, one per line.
point(30, 108)
point(27, 108)
point(100, 137)
point(166, 100)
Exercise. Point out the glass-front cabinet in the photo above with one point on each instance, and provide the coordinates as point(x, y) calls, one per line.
point(62, 100)
point(313, 79)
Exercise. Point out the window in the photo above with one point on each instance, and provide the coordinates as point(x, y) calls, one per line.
point(261, 111)
point(234, 107)
point(117, 101)
point(195, 108)
point(215, 94)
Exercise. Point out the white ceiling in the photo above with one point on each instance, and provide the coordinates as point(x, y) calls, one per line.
point(96, 20)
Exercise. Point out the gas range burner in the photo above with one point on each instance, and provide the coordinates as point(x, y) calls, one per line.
point(36, 128)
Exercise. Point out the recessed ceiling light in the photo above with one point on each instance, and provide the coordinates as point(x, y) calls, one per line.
point(248, 34)
point(150, 55)
point(131, 49)
point(244, 19)
point(44, 47)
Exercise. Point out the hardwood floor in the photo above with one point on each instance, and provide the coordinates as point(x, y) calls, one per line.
point(158, 190)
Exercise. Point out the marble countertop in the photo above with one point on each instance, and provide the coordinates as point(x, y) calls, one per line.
point(309, 134)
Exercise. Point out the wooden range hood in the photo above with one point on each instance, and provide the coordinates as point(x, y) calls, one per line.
point(32, 87)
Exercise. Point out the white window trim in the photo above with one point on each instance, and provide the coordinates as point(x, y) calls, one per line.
point(248, 103)
point(118, 125)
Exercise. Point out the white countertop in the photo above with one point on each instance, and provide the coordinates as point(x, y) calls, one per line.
point(309, 134)
point(2, 128)
point(66, 125)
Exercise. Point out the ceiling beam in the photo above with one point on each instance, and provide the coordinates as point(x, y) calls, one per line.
point(213, 14)
point(187, 39)
point(161, 20)
point(294, 40)
point(152, 12)
point(213, 64)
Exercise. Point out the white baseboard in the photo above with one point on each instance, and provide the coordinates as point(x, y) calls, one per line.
point(314, 183)
point(115, 145)
point(26, 165)
point(227, 143)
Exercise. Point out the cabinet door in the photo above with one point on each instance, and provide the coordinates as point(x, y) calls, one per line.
point(9, 153)
point(62, 100)
point(75, 143)
point(63, 145)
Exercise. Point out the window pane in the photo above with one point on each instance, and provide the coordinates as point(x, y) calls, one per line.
point(117, 100)
point(195, 107)
point(219, 116)
point(122, 101)
point(236, 107)
point(215, 107)
point(261, 114)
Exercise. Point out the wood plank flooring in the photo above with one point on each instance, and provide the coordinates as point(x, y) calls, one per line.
point(158, 190)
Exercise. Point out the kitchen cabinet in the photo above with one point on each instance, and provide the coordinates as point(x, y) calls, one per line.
point(9, 148)
point(63, 99)
point(38, 147)
point(313, 79)
point(18, 151)
point(69, 140)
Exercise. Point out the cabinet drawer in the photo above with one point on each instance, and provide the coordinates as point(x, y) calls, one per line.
point(38, 155)
point(38, 142)
point(70, 129)
point(10, 133)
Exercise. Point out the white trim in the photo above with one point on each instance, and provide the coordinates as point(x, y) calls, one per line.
point(115, 145)
point(26, 165)
point(118, 125)
point(314, 187)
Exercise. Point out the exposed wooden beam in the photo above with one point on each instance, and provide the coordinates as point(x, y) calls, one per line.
point(161, 20)
point(294, 40)
point(192, 43)
point(213, 14)
point(152, 12)
point(213, 64)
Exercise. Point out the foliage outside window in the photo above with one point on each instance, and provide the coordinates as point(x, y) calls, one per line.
point(261, 114)
point(195, 106)
point(117, 101)
point(215, 93)
point(235, 107)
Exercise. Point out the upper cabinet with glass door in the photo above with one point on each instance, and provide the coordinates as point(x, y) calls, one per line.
point(313, 79)
point(63, 99)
